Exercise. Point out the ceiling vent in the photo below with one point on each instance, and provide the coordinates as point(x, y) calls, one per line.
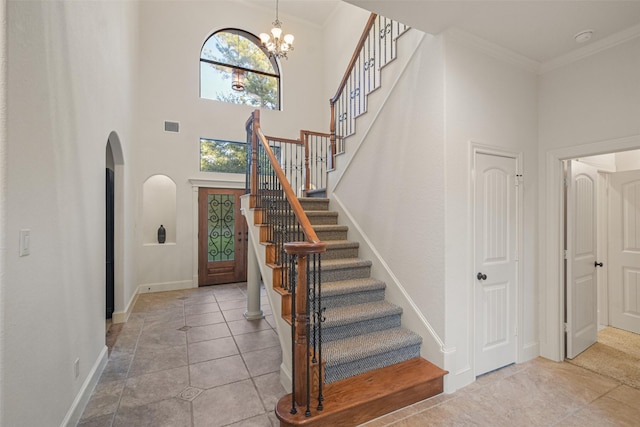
point(171, 126)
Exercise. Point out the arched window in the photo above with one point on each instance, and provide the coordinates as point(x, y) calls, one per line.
point(234, 68)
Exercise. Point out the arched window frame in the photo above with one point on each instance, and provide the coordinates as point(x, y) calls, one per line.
point(256, 41)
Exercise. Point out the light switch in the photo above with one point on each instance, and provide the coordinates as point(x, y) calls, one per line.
point(25, 237)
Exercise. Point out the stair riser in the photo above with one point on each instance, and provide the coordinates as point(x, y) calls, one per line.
point(354, 298)
point(323, 219)
point(346, 274)
point(331, 234)
point(315, 205)
point(355, 367)
point(339, 253)
point(360, 328)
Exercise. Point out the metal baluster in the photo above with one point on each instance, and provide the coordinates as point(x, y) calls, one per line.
point(292, 290)
point(318, 261)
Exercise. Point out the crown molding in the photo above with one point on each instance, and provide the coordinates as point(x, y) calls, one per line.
point(492, 49)
point(591, 49)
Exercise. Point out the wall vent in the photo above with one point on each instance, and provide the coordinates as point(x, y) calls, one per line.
point(171, 126)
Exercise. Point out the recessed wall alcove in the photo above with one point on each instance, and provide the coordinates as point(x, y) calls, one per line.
point(158, 208)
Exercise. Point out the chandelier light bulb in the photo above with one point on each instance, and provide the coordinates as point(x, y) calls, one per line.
point(277, 32)
point(264, 38)
point(288, 39)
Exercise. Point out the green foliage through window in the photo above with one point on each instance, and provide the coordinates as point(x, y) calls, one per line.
point(231, 49)
point(223, 156)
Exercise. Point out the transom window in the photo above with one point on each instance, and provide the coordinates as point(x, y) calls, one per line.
point(234, 68)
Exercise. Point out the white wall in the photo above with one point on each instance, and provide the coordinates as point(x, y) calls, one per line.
point(70, 85)
point(629, 160)
point(588, 107)
point(171, 36)
point(488, 101)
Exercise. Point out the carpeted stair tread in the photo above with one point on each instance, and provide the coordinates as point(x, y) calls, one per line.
point(367, 345)
point(341, 244)
point(330, 227)
point(344, 263)
point(345, 287)
point(340, 316)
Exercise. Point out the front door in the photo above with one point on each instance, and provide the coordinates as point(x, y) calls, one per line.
point(624, 251)
point(495, 275)
point(581, 245)
point(222, 241)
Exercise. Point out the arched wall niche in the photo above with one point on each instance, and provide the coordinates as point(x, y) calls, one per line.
point(158, 208)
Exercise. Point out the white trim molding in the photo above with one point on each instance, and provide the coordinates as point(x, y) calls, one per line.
point(82, 398)
point(551, 230)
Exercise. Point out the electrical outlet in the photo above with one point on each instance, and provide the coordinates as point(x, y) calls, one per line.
point(76, 368)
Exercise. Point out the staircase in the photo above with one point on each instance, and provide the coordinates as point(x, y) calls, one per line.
point(373, 364)
point(350, 360)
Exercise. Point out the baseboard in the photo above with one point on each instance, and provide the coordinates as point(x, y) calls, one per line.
point(123, 316)
point(285, 378)
point(82, 398)
point(165, 286)
point(529, 351)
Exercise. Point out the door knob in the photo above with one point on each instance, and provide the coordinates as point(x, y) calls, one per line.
point(597, 264)
point(481, 276)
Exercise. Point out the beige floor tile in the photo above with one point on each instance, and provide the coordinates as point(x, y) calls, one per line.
point(117, 367)
point(204, 319)
point(259, 421)
point(212, 349)
point(234, 314)
point(233, 303)
point(201, 299)
point(229, 294)
point(209, 332)
point(627, 395)
point(257, 340)
point(263, 361)
point(149, 359)
point(154, 387)
point(213, 373)
point(102, 421)
point(245, 326)
point(159, 338)
point(166, 413)
point(604, 412)
point(270, 389)
point(211, 307)
point(104, 399)
point(221, 406)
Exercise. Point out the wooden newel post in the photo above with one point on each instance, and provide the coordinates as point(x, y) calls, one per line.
point(332, 131)
point(301, 341)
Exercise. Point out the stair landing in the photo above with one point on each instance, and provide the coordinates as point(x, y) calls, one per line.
point(361, 398)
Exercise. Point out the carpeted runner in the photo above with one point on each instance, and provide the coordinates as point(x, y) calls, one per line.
point(616, 355)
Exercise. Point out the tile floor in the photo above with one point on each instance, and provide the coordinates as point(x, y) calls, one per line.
point(189, 358)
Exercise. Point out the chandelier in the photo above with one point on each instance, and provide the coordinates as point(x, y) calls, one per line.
point(276, 45)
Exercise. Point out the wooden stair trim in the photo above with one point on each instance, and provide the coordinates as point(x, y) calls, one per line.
point(361, 398)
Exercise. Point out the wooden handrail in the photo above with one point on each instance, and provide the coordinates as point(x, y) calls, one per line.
point(354, 58)
point(304, 222)
point(285, 140)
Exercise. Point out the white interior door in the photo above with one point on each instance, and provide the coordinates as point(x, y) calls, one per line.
point(624, 251)
point(495, 261)
point(581, 243)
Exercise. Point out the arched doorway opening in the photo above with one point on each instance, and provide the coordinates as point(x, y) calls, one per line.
point(114, 239)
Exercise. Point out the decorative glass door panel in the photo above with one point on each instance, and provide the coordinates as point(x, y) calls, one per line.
point(222, 238)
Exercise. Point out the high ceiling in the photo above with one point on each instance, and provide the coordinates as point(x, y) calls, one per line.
point(541, 30)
